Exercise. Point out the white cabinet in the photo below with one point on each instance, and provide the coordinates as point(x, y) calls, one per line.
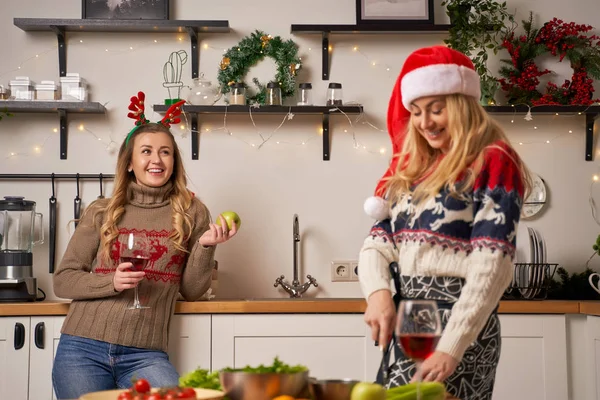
point(45, 334)
point(533, 360)
point(189, 342)
point(14, 357)
point(330, 345)
point(593, 355)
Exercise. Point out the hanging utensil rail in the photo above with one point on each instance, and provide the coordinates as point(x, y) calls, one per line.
point(56, 176)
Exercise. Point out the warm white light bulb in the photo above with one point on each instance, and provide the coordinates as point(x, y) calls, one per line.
point(535, 127)
point(253, 145)
point(547, 141)
point(54, 130)
point(37, 149)
point(595, 178)
point(512, 121)
point(570, 131)
point(320, 131)
point(277, 142)
point(303, 143)
point(355, 48)
point(373, 63)
point(12, 154)
point(521, 143)
point(205, 46)
point(382, 150)
point(80, 40)
point(330, 48)
point(37, 55)
point(81, 127)
point(130, 47)
point(310, 48)
point(155, 41)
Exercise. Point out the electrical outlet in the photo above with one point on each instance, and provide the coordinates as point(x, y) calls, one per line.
point(354, 271)
point(340, 271)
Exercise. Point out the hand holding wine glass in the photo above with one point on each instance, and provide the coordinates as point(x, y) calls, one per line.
point(418, 329)
point(134, 252)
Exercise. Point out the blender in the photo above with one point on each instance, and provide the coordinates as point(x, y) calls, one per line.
point(18, 221)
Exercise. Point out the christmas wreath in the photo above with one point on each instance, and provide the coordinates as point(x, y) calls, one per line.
point(254, 48)
point(566, 40)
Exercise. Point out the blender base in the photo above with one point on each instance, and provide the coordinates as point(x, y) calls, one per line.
point(11, 292)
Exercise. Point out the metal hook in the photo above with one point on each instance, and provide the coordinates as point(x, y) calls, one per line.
point(53, 193)
point(101, 188)
point(77, 182)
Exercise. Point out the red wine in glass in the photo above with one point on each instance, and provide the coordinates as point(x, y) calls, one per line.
point(418, 329)
point(138, 262)
point(418, 346)
point(135, 249)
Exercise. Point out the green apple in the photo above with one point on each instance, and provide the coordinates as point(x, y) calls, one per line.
point(230, 218)
point(367, 391)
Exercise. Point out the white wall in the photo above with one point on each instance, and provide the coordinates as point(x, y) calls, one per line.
point(266, 187)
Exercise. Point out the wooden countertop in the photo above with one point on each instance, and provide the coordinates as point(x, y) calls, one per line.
point(590, 307)
point(304, 306)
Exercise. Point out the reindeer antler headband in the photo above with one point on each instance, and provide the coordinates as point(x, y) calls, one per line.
point(137, 109)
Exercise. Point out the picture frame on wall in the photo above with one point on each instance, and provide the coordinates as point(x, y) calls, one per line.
point(125, 9)
point(394, 12)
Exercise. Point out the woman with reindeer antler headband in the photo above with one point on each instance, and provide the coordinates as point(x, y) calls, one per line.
point(105, 343)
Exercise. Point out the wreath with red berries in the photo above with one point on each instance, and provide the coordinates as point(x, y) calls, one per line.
point(567, 41)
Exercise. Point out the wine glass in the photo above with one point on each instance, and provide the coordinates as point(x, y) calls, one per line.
point(134, 248)
point(418, 329)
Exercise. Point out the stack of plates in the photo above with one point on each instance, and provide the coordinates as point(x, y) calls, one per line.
point(531, 262)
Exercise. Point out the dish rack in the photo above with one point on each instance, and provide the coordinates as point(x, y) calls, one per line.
point(530, 281)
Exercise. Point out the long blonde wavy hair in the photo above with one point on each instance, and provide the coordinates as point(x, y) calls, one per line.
point(471, 130)
point(114, 208)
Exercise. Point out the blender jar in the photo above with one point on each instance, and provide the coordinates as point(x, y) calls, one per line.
point(18, 220)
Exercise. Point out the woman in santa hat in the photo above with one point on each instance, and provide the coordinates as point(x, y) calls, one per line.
point(447, 211)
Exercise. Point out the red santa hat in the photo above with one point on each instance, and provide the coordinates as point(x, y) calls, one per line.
point(430, 71)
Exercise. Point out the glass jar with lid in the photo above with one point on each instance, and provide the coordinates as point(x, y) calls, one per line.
point(334, 94)
point(304, 94)
point(237, 94)
point(273, 94)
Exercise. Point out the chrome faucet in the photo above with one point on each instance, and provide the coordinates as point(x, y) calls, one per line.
point(296, 289)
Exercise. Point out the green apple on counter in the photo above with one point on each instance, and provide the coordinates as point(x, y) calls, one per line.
point(230, 217)
point(368, 391)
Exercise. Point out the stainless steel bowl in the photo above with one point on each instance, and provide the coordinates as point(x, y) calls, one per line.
point(331, 389)
point(257, 386)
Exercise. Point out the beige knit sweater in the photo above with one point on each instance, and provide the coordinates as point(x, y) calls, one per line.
point(97, 310)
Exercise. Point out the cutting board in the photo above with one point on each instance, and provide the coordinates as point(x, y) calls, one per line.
point(201, 394)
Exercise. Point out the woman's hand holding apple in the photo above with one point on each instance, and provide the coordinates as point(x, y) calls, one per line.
point(220, 232)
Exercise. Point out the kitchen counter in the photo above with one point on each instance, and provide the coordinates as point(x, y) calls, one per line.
point(304, 306)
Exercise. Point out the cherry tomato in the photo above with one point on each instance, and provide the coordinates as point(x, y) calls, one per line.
point(187, 393)
point(154, 396)
point(142, 386)
point(170, 396)
point(125, 396)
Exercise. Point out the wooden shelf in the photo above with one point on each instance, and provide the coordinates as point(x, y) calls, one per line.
point(326, 30)
point(60, 107)
point(38, 106)
point(365, 29)
point(591, 114)
point(325, 111)
point(120, 25)
point(61, 26)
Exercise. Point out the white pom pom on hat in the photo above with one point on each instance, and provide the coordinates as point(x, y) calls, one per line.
point(429, 71)
point(377, 208)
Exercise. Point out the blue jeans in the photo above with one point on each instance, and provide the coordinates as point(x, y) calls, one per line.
point(85, 365)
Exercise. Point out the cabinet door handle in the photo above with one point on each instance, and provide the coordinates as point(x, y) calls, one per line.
point(39, 335)
point(19, 336)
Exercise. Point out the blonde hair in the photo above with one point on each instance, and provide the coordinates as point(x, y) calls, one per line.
point(114, 208)
point(471, 131)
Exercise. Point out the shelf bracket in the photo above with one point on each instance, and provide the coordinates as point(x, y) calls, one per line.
point(194, 133)
point(326, 137)
point(62, 50)
point(62, 114)
point(590, 118)
point(195, 60)
point(325, 56)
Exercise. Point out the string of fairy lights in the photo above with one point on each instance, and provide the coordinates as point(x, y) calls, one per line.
point(262, 136)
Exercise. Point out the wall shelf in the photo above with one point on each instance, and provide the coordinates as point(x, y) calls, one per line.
point(60, 107)
point(61, 26)
point(591, 114)
point(326, 30)
point(325, 111)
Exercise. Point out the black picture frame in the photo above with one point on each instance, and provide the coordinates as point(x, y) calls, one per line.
point(126, 9)
point(390, 13)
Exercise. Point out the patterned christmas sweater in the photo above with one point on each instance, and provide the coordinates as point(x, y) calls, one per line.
point(473, 237)
point(97, 310)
